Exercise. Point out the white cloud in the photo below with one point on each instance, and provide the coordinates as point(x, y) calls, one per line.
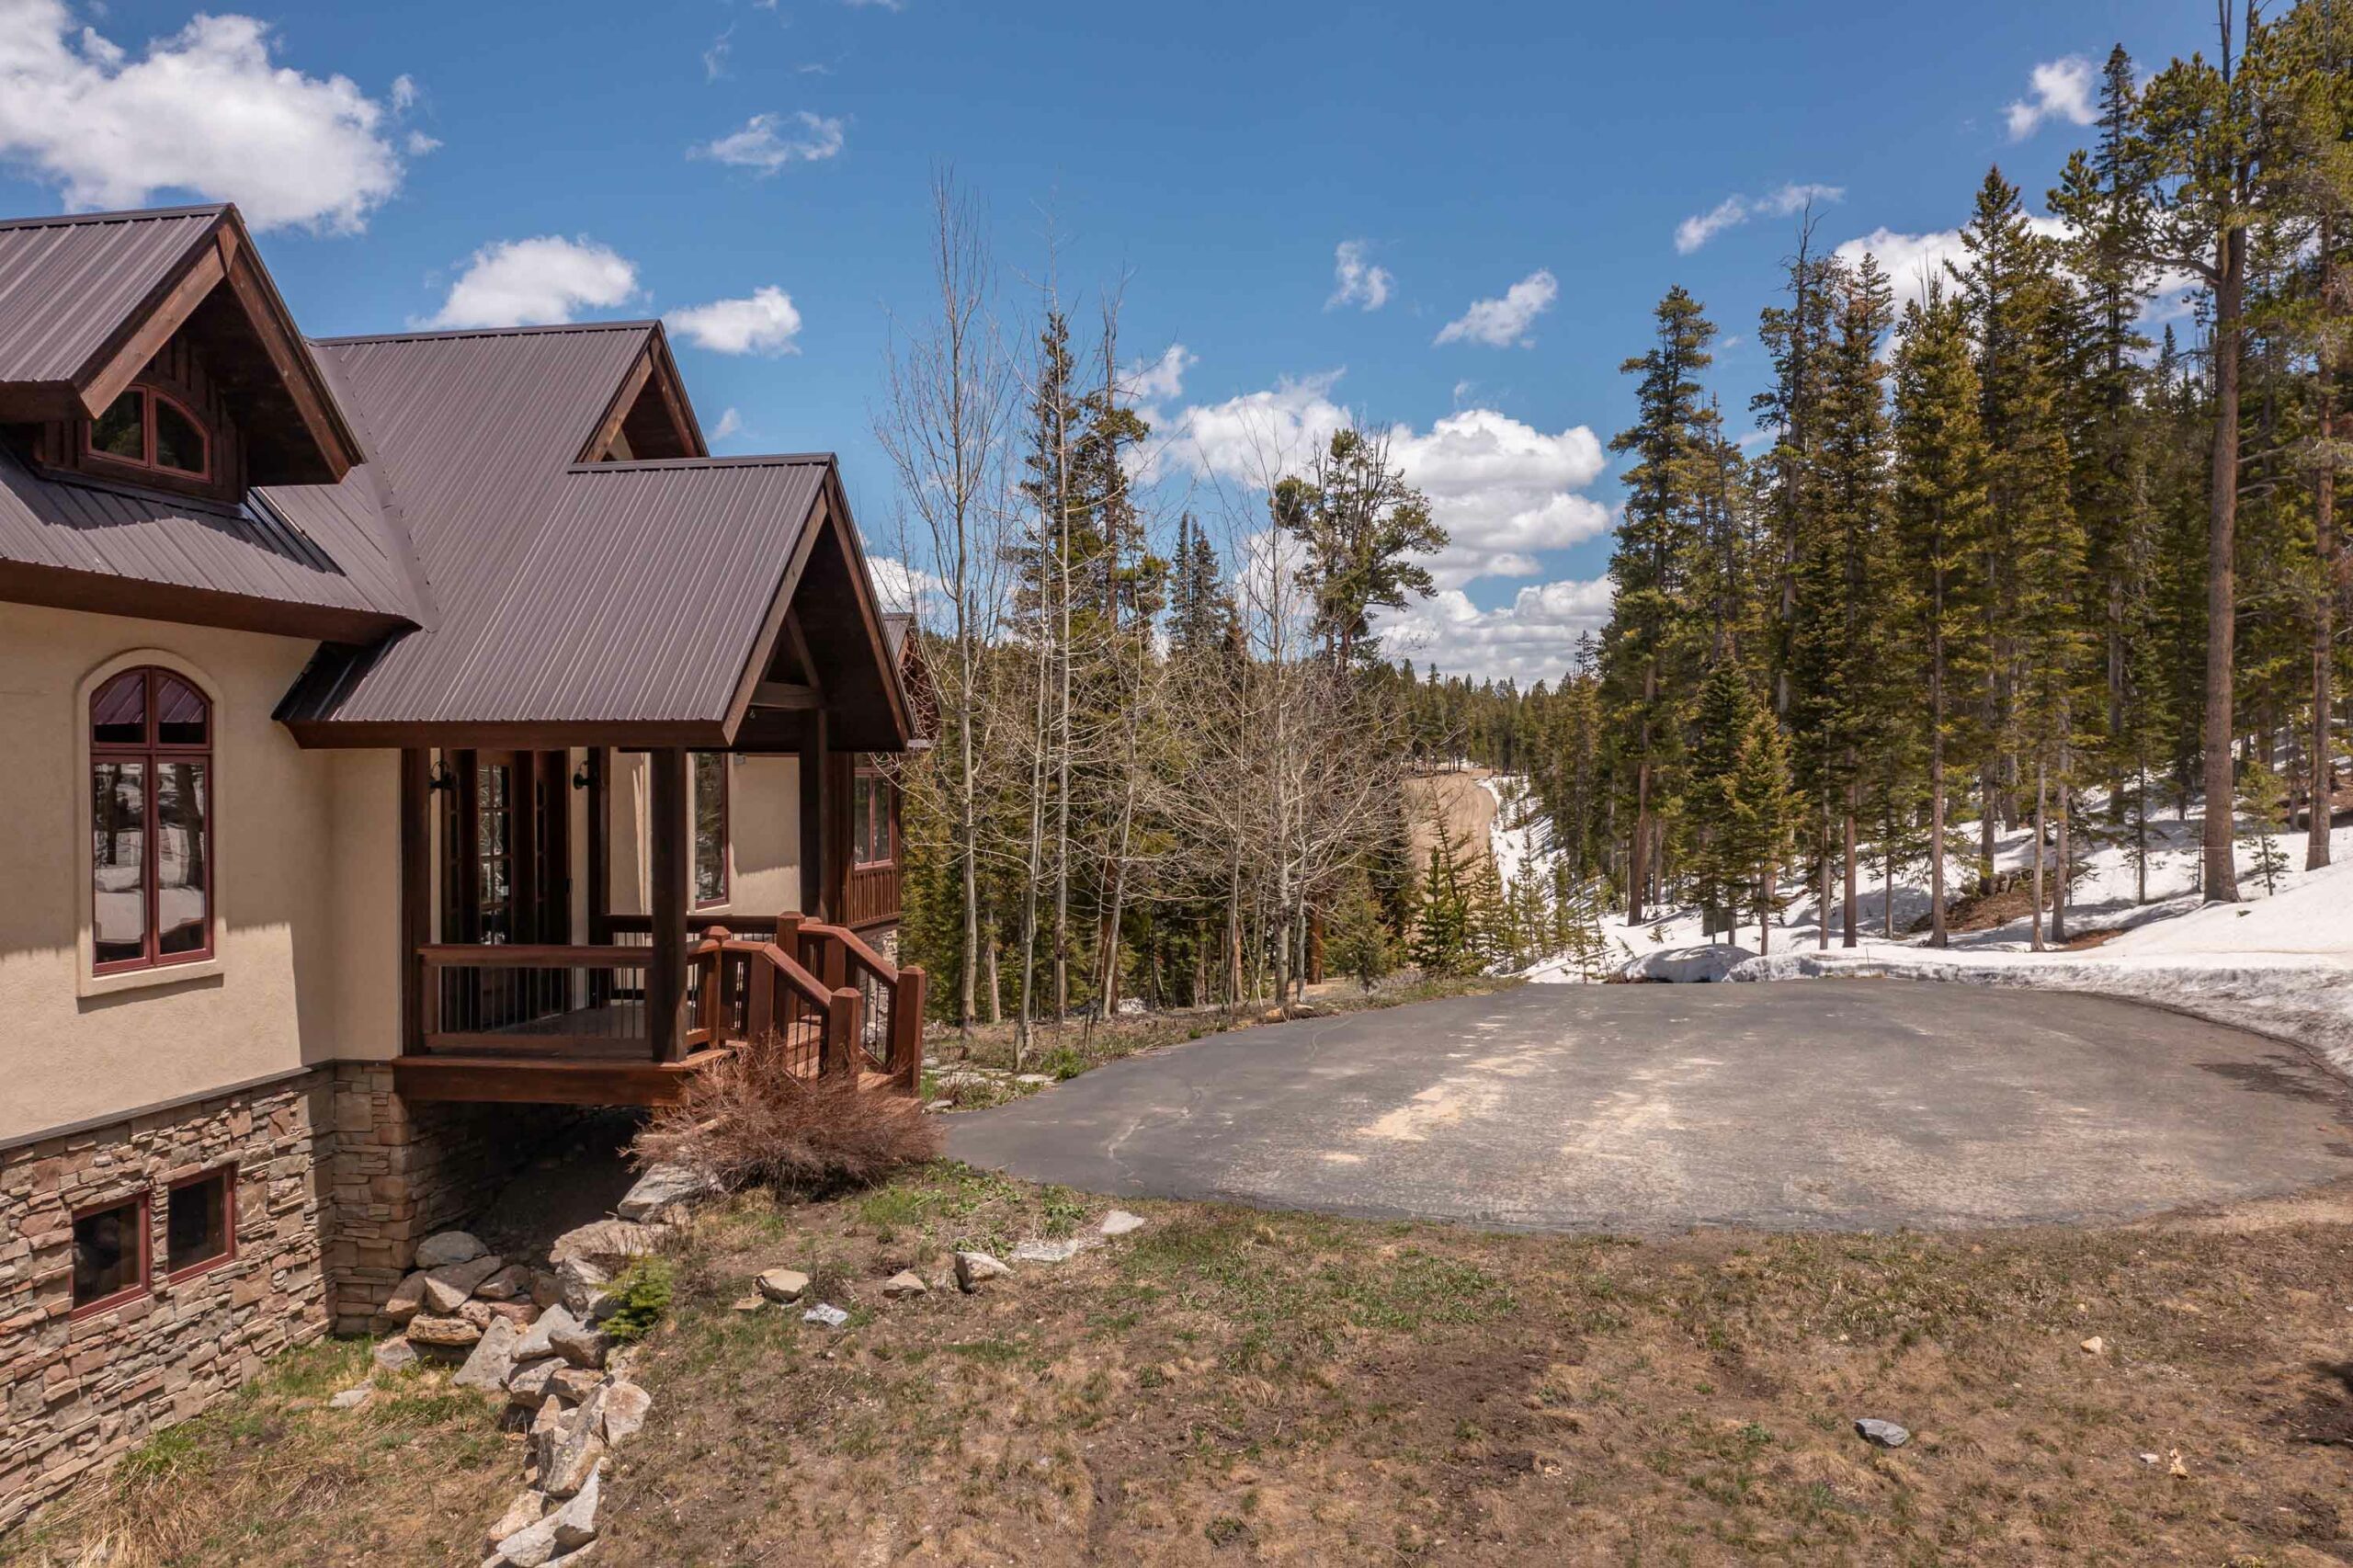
point(1910, 261)
point(1502, 323)
point(768, 143)
point(715, 58)
point(1701, 227)
point(205, 110)
point(1153, 381)
point(1532, 639)
point(1356, 281)
point(899, 585)
point(1504, 490)
point(535, 281)
point(729, 423)
point(2060, 89)
point(764, 323)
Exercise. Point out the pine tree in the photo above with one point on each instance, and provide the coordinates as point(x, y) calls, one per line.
point(2263, 803)
point(1765, 810)
point(1441, 943)
point(1719, 862)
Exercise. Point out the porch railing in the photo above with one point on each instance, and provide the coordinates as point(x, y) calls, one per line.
point(816, 991)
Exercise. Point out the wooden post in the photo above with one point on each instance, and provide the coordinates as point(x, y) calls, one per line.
point(907, 1031)
point(711, 994)
point(600, 847)
point(665, 964)
point(841, 1033)
point(416, 893)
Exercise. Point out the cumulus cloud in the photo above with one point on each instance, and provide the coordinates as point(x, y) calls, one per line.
point(1157, 380)
point(764, 323)
point(1502, 323)
point(729, 423)
point(1356, 281)
point(206, 110)
point(900, 587)
point(1532, 639)
point(1504, 490)
point(2056, 89)
point(531, 282)
point(1732, 211)
point(770, 143)
point(1911, 261)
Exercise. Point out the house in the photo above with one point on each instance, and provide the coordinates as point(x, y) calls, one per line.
point(412, 738)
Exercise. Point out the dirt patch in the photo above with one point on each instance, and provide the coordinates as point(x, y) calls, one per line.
point(1456, 798)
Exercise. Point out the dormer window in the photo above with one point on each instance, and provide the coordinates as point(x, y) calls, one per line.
point(149, 429)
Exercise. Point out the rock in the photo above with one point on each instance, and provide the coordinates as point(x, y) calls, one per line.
point(1052, 1252)
point(442, 1334)
point(476, 1312)
point(450, 1287)
point(625, 1408)
point(492, 1361)
point(407, 1299)
point(827, 1314)
point(1118, 1222)
point(530, 1383)
point(904, 1283)
point(581, 1345)
point(940, 1105)
point(570, 1528)
point(352, 1398)
point(547, 1289)
point(608, 1244)
point(972, 1267)
point(507, 1284)
point(2095, 1346)
point(394, 1355)
point(749, 1303)
point(522, 1314)
point(2153, 1459)
point(526, 1510)
point(447, 1247)
point(782, 1284)
point(547, 1431)
point(580, 1284)
point(576, 1384)
point(571, 1455)
point(540, 1339)
point(1882, 1434)
point(1034, 1080)
point(2174, 1467)
point(660, 1186)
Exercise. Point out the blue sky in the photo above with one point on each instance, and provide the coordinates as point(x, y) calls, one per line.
point(1509, 181)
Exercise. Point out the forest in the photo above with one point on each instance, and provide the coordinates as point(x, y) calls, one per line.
point(2053, 541)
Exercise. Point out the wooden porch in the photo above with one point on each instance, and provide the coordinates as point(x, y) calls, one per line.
point(627, 1017)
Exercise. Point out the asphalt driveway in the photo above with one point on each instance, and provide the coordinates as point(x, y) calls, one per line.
point(1809, 1104)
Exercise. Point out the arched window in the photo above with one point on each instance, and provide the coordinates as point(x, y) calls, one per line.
point(150, 820)
point(147, 429)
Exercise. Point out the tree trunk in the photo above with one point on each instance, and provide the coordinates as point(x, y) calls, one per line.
point(2323, 767)
point(2036, 928)
point(1847, 923)
point(2222, 525)
point(1936, 766)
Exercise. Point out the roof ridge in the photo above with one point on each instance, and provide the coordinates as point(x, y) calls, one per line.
point(127, 215)
point(445, 334)
point(736, 459)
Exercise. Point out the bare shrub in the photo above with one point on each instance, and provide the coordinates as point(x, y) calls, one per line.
point(751, 1120)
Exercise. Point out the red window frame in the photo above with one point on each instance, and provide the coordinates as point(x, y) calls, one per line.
point(878, 788)
point(726, 848)
point(146, 462)
point(227, 1176)
point(146, 1284)
point(153, 751)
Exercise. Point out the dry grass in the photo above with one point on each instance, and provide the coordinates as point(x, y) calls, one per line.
point(750, 1120)
point(1233, 1387)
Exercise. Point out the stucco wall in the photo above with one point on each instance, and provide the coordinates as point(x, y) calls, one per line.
point(763, 831)
point(305, 882)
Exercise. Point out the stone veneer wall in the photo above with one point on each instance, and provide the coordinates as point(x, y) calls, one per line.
point(78, 1391)
point(402, 1171)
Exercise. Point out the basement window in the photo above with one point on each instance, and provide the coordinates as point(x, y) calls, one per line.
point(109, 1256)
point(201, 1223)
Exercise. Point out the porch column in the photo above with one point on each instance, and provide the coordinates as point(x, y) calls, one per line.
point(416, 892)
point(665, 967)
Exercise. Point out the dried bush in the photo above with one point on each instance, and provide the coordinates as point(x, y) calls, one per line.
point(751, 1120)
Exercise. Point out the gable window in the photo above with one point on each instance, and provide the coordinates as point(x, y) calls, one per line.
point(711, 828)
point(200, 1223)
point(151, 822)
point(110, 1254)
point(873, 820)
point(146, 428)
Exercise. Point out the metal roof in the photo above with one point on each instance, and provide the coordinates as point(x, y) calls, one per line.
point(66, 284)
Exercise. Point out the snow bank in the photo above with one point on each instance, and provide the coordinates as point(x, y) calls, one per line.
point(1687, 966)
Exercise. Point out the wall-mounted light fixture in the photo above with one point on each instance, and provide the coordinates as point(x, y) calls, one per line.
point(442, 778)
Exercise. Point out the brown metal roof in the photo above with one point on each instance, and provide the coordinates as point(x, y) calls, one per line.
point(66, 284)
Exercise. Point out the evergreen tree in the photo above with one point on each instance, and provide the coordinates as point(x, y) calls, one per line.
point(1765, 810)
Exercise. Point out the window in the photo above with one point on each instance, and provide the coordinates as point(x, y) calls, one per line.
point(711, 827)
point(148, 430)
point(110, 1254)
point(874, 800)
point(151, 822)
point(200, 1223)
